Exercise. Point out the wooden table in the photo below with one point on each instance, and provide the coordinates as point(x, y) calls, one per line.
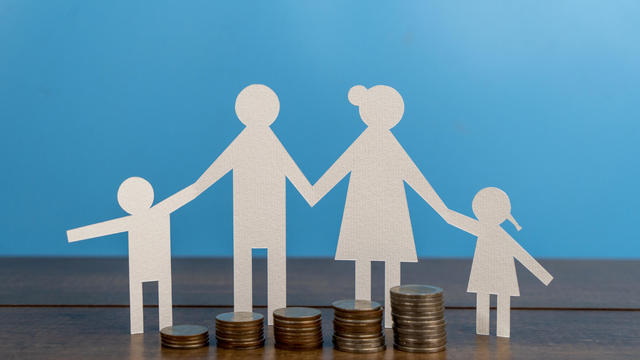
point(61, 308)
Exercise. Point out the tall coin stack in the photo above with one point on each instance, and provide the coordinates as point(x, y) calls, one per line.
point(297, 328)
point(357, 326)
point(184, 336)
point(240, 330)
point(418, 318)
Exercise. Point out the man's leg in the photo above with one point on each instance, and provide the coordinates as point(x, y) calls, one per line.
point(165, 303)
point(135, 306)
point(242, 277)
point(276, 280)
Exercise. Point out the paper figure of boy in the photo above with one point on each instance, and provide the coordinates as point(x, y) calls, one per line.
point(149, 244)
point(376, 225)
point(261, 166)
point(493, 271)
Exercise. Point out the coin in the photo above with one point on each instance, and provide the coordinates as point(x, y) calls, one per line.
point(297, 347)
point(184, 331)
point(242, 318)
point(418, 317)
point(185, 342)
point(419, 333)
point(420, 349)
point(359, 350)
point(191, 346)
point(297, 313)
point(357, 306)
point(297, 325)
point(416, 290)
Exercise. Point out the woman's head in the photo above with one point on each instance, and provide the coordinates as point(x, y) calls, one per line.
point(380, 106)
point(491, 205)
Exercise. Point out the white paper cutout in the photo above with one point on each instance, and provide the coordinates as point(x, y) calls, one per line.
point(493, 271)
point(376, 225)
point(149, 244)
point(260, 165)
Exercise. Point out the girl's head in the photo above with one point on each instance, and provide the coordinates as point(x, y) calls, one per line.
point(135, 194)
point(491, 205)
point(380, 106)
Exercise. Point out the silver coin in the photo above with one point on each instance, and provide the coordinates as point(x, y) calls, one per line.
point(242, 318)
point(416, 291)
point(356, 305)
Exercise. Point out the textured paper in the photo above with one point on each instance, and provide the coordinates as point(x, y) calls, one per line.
point(376, 225)
point(149, 244)
point(493, 271)
point(260, 165)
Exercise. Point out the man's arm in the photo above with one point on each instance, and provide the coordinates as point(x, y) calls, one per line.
point(332, 177)
point(220, 167)
point(177, 200)
point(100, 229)
point(297, 178)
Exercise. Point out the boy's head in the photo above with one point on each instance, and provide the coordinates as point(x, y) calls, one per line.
point(135, 194)
point(491, 205)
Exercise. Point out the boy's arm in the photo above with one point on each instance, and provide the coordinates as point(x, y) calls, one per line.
point(100, 229)
point(177, 200)
point(531, 264)
point(462, 222)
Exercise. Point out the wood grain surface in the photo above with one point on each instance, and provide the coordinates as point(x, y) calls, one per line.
point(78, 309)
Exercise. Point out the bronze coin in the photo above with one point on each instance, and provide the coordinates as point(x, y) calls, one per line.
point(186, 342)
point(396, 317)
point(241, 318)
point(282, 346)
point(420, 349)
point(297, 324)
point(189, 346)
point(357, 321)
point(420, 342)
point(358, 329)
point(360, 314)
point(297, 314)
point(184, 331)
point(359, 350)
point(356, 336)
point(357, 306)
point(419, 333)
point(232, 346)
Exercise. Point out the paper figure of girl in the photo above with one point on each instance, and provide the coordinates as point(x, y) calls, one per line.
point(376, 225)
point(149, 244)
point(493, 271)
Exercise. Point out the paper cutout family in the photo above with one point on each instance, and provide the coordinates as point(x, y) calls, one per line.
point(375, 225)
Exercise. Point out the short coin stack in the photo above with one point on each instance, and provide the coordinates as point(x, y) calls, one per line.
point(240, 330)
point(418, 318)
point(357, 326)
point(184, 336)
point(297, 328)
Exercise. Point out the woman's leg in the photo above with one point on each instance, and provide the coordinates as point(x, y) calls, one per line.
point(363, 280)
point(504, 316)
point(482, 314)
point(391, 279)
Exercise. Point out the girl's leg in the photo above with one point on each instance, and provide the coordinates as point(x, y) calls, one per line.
point(391, 279)
point(135, 307)
point(165, 308)
point(363, 280)
point(504, 316)
point(482, 314)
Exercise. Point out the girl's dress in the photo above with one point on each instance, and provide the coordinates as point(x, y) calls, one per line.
point(493, 270)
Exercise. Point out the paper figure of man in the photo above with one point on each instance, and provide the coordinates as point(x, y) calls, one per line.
point(493, 271)
point(376, 225)
point(149, 244)
point(261, 165)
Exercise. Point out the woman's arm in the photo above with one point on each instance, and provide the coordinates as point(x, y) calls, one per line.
point(332, 177)
point(414, 177)
point(462, 222)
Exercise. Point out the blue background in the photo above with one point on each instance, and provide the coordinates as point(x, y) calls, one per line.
point(539, 98)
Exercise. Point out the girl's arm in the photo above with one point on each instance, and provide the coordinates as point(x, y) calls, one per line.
point(462, 222)
point(531, 264)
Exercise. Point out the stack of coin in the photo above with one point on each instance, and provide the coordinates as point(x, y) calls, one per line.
point(418, 318)
point(184, 336)
point(357, 326)
point(240, 330)
point(297, 328)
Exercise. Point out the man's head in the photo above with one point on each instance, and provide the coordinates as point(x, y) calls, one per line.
point(257, 105)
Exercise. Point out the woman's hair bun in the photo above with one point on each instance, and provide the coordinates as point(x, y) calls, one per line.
point(356, 94)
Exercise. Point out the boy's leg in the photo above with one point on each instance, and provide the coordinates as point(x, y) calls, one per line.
point(363, 280)
point(135, 307)
point(482, 313)
point(165, 307)
point(391, 279)
point(504, 316)
point(242, 277)
point(276, 280)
